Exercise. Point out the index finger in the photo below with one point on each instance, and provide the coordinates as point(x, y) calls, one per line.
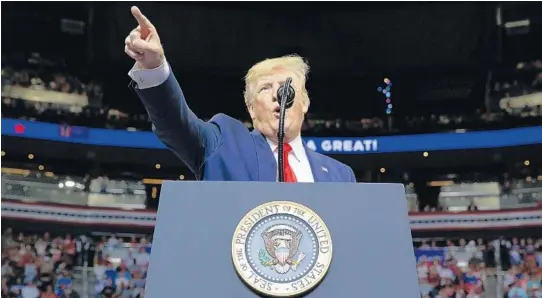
point(141, 19)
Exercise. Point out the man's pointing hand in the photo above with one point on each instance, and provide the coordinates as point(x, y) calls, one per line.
point(143, 43)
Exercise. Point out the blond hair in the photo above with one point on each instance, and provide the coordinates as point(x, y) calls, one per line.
point(294, 63)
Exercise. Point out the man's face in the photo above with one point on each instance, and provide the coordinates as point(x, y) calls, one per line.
point(264, 106)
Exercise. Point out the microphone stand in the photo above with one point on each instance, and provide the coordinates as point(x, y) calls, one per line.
point(281, 140)
point(285, 95)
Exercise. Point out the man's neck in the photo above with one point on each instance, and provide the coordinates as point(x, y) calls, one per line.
point(287, 140)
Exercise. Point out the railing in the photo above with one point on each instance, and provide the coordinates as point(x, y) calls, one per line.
point(40, 187)
point(69, 192)
point(46, 96)
point(525, 193)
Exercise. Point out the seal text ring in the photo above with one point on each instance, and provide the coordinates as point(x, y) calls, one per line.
point(281, 249)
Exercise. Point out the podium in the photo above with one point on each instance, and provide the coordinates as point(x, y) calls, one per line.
point(264, 239)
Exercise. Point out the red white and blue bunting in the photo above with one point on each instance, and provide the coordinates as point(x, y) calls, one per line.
point(67, 214)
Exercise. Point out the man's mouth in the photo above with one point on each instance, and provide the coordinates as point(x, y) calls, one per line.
point(276, 113)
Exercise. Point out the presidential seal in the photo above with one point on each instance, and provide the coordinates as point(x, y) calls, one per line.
point(281, 249)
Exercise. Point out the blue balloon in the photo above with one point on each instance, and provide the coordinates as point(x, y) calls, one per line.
point(379, 89)
point(388, 94)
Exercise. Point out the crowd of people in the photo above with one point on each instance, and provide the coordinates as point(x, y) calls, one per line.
point(40, 73)
point(120, 267)
point(36, 266)
point(523, 277)
point(453, 271)
point(42, 266)
point(103, 117)
point(463, 269)
point(36, 76)
point(526, 78)
point(39, 266)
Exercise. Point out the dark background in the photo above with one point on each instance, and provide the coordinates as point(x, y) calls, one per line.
point(436, 54)
point(439, 57)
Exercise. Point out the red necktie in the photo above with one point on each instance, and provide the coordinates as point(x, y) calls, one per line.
point(289, 175)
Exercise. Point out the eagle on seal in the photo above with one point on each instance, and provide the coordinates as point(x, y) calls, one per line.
point(282, 244)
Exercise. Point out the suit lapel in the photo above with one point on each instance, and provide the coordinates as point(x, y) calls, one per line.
point(319, 171)
point(267, 165)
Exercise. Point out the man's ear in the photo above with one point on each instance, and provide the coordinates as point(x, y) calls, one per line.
point(250, 109)
point(306, 104)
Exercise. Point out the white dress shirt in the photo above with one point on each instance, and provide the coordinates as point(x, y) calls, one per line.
point(298, 160)
point(148, 78)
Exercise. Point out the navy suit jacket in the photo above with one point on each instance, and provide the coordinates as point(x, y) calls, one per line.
point(222, 149)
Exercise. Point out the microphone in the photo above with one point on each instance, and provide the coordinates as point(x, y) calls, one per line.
point(285, 97)
point(286, 93)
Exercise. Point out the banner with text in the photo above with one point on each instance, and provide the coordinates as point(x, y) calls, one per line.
point(352, 145)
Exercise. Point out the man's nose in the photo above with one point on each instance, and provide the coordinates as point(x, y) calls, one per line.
point(275, 90)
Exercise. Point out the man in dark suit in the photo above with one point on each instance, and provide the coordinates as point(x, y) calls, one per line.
point(223, 148)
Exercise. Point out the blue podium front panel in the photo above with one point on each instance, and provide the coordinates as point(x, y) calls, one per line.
point(283, 238)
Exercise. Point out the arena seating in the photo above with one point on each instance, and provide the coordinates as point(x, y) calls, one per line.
point(470, 269)
point(523, 277)
point(446, 267)
point(116, 265)
point(37, 73)
point(517, 91)
point(32, 185)
point(33, 264)
point(26, 94)
point(43, 186)
point(101, 117)
point(489, 195)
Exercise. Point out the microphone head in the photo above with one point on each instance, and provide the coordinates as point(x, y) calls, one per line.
point(286, 93)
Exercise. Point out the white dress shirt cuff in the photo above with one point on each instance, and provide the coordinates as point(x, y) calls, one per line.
point(148, 78)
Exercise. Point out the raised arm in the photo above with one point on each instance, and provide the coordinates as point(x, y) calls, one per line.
point(189, 137)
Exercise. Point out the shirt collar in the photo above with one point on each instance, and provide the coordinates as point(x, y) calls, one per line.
point(297, 147)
